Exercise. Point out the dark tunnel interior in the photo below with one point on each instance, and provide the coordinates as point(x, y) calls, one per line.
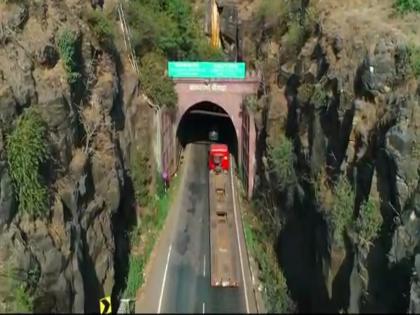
point(197, 122)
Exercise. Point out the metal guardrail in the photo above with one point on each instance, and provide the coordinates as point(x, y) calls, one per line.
point(126, 306)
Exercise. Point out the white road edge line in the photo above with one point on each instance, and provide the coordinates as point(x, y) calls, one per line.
point(204, 266)
point(164, 280)
point(239, 243)
point(204, 307)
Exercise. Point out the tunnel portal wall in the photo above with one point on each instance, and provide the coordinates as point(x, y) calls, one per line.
point(229, 95)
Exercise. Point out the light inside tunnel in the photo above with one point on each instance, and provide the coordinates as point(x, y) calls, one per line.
point(200, 119)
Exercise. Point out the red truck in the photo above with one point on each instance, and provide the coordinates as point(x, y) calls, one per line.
point(219, 157)
point(222, 245)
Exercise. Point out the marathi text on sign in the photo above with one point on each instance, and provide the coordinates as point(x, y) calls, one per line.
point(208, 87)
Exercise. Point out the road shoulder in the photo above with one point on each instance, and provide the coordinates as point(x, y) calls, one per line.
point(252, 304)
point(147, 299)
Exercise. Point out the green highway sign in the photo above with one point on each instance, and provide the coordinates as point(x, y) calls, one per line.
point(206, 70)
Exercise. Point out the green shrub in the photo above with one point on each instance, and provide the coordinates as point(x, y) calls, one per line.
point(22, 286)
point(319, 97)
point(140, 173)
point(67, 46)
point(273, 16)
point(159, 185)
point(162, 30)
point(26, 150)
point(204, 51)
point(283, 158)
point(258, 240)
point(340, 215)
point(295, 37)
point(147, 231)
point(369, 221)
point(251, 102)
point(415, 60)
point(154, 26)
point(300, 25)
point(279, 17)
point(135, 276)
point(154, 82)
point(170, 26)
point(407, 5)
point(101, 25)
point(305, 92)
point(23, 302)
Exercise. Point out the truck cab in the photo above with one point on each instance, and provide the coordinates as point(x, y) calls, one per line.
point(219, 157)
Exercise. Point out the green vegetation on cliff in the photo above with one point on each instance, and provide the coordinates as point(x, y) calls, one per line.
point(144, 237)
point(369, 221)
point(342, 208)
point(23, 287)
point(170, 26)
point(260, 234)
point(26, 150)
point(161, 31)
point(336, 204)
point(319, 97)
point(101, 25)
point(154, 82)
point(283, 159)
point(67, 43)
point(285, 22)
point(408, 5)
point(274, 15)
point(141, 176)
point(415, 60)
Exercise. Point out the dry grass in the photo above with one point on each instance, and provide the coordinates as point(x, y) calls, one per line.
point(34, 34)
point(246, 8)
point(78, 162)
point(323, 191)
point(366, 117)
point(368, 20)
point(91, 117)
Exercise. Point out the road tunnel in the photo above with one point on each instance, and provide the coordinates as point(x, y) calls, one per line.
point(200, 119)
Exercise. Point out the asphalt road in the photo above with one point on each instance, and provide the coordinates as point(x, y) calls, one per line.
point(178, 276)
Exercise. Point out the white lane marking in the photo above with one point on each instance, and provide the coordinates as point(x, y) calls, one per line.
point(204, 266)
point(164, 280)
point(204, 307)
point(239, 244)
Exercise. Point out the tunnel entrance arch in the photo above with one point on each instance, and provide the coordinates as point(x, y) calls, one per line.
point(225, 96)
point(199, 119)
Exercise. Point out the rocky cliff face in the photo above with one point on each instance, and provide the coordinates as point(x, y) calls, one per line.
point(348, 101)
point(77, 253)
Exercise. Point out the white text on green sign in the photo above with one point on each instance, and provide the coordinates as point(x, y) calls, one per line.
point(208, 70)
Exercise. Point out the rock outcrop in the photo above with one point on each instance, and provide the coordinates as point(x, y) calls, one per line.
point(68, 259)
point(350, 105)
